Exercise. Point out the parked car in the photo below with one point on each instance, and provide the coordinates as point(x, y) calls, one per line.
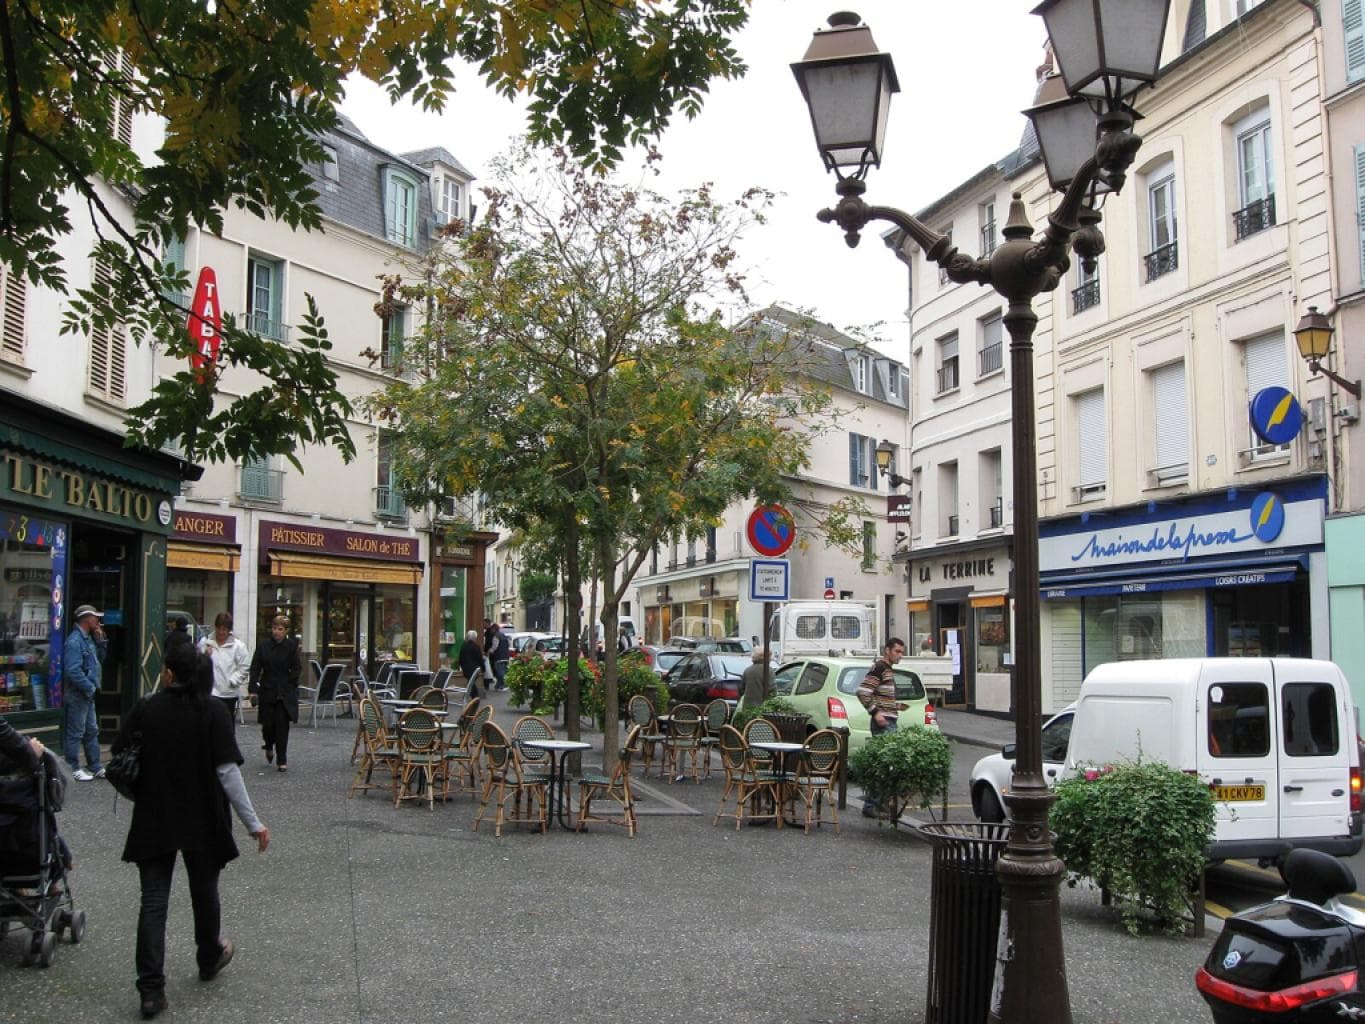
point(990, 779)
point(826, 688)
point(725, 645)
point(686, 642)
point(521, 640)
point(551, 648)
point(699, 678)
point(661, 659)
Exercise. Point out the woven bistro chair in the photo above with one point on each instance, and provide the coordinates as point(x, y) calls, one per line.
point(760, 730)
point(462, 756)
point(529, 727)
point(421, 756)
point(683, 743)
point(506, 781)
point(641, 711)
point(379, 749)
point(434, 700)
point(743, 782)
point(421, 691)
point(814, 782)
point(717, 713)
point(615, 787)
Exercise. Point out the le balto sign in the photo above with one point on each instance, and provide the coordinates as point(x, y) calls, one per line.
point(322, 540)
point(62, 489)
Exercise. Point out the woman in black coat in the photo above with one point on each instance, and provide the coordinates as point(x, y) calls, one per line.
point(188, 777)
point(274, 682)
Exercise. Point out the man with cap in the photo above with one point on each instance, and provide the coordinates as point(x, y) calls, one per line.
point(81, 660)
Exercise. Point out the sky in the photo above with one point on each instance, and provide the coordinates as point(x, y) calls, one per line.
point(966, 70)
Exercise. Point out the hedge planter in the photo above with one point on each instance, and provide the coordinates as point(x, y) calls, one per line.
point(910, 767)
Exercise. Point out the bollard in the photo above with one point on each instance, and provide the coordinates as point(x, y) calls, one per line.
point(964, 920)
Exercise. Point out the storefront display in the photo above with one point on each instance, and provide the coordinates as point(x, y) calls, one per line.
point(32, 568)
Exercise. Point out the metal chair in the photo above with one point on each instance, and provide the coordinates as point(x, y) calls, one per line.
point(324, 695)
point(507, 780)
point(615, 787)
point(440, 679)
point(434, 699)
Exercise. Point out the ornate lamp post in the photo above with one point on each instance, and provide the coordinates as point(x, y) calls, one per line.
point(1106, 50)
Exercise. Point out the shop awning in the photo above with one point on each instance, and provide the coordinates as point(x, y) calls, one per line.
point(353, 570)
point(916, 606)
point(213, 557)
point(1228, 574)
point(988, 600)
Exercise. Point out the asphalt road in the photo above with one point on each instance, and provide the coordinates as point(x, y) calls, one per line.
point(363, 913)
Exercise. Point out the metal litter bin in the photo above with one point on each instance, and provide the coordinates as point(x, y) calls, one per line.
point(964, 920)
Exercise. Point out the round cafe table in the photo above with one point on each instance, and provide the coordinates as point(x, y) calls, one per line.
point(558, 751)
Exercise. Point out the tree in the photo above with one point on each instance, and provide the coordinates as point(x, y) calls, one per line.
point(574, 376)
point(244, 88)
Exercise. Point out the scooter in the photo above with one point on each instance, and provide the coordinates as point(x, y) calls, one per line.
point(1297, 959)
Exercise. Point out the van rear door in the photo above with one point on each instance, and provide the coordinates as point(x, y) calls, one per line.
point(1236, 748)
point(1314, 751)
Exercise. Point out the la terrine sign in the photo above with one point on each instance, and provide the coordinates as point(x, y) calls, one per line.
point(1264, 522)
point(323, 540)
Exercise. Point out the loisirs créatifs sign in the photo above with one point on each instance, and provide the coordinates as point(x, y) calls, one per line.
point(68, 491)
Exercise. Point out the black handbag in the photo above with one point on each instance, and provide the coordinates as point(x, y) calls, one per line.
point(122, 770)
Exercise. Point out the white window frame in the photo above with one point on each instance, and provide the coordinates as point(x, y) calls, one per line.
point(331, 166)
point(990, 332)
point(1254, 141)
point(947, 353)
point(451, 198)
point(1161, 182)
point(400, 208)
point(265, 284)
point(1092, 444)
point(989, 236)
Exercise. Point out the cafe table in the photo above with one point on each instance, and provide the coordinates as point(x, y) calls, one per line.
point(780, 751)
point(558, 751)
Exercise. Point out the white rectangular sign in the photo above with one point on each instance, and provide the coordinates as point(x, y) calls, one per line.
point(769, 579)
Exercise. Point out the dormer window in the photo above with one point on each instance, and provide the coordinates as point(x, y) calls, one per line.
point(331, 169)
point(862, 366)
point(400, 208)
point(449, 200)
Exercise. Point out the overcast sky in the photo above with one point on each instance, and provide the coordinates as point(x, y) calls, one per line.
point(966, 69)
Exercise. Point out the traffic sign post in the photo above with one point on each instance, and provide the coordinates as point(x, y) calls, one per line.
point(771, 530)
point(769, 579)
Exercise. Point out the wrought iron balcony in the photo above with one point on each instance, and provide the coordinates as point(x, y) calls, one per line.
point(991, 358)
point(1086, 296)
point(260, 323)
point(1254, 217)
point(1161, 261)
point(389, 504)
point(997, 514)
point(947, 376)
point(261, 483)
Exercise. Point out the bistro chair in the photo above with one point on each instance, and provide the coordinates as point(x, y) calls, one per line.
point(743, 782)
point(419, 692)
point(615, 787)
point(439, 680)
point(717, 713)
point(814, 782)
point(683, 743)
point(380, 750)
point(434, 700)
point(760, 730)
point(505, 780)
point(324, 696)
point(641, 712)
point(529, 727)
point(462, 756)
point(421, 757)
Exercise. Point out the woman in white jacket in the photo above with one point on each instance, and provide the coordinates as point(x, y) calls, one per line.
point(231, 663)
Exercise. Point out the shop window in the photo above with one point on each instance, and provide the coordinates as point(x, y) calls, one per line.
point(1309, 721)
point(27, 559)
point(1129, 627)
point(992, 638)
point(1239, 715)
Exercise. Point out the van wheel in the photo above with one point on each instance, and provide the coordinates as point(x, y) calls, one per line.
point(987, 805)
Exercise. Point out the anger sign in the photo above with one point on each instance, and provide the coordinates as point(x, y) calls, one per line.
point(205, 322)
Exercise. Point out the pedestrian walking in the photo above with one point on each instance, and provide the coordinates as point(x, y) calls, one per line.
point(82, 661)
point(188, 777)
point(751, 680)
point(231, 663)
point(471, 663)
point(274, 682)
point(498, 649)
point(877, 693)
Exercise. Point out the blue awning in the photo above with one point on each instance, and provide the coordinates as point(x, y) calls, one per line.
point(1188, 577)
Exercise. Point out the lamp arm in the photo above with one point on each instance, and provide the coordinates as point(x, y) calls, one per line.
point(1049, 256)
point(852, 214)
point(1351, 387)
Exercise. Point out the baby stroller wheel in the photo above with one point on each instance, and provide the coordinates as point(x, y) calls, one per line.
point(47, 947)
point(77, 926)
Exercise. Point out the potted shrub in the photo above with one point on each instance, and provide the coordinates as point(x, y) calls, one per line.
point(905, 768)
point(771, 706)
point(633, 677)
point(1138, 831)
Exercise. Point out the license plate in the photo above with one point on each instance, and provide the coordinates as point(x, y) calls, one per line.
point(1238, 794)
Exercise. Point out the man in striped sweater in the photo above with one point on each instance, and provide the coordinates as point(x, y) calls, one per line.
point(877, 693)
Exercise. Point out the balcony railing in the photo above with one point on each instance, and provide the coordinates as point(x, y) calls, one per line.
point(261, 483)
point(952, 526)
point(1161, 261)
point(388, 504)
point(947, 376)
point(997, 513)
point(1254, 217)
point(1086, 296)
point(991, 358)
point(260, 323)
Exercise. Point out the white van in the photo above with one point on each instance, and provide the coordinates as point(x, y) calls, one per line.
point(830, 628)
point(1274, 739)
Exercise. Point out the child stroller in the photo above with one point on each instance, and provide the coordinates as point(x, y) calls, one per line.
point(34, 892)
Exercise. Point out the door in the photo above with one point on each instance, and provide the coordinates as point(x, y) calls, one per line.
point(1314, 760)
point(1236, 748)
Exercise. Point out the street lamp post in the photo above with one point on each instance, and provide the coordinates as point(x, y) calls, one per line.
point(1107, 50)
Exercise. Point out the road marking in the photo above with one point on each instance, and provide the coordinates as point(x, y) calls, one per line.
point(1217, 910)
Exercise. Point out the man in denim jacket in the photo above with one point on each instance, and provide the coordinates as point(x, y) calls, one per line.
point(81, 659)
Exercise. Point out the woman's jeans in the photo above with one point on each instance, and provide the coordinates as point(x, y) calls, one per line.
point(203, 871)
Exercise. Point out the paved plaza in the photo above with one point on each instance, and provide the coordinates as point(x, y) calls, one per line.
point(363, 913)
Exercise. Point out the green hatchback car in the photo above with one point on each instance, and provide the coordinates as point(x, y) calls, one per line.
point(827, 690)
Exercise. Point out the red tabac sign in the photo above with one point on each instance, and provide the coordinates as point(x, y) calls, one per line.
point(205, 322)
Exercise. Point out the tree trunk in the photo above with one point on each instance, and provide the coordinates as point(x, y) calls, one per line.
point(611, 607)
point(573, 584)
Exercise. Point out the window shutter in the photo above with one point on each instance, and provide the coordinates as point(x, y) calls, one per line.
point(1171, 417)
point(854, 444)
point(108, 349)
point(1360, 204)
point(122, 119)
point(1265, 363)
point(12, 336)
point(870, 461)
point(1353, 25)
point(1092, 438)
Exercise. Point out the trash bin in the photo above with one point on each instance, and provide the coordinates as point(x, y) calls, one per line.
point(964, 920)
